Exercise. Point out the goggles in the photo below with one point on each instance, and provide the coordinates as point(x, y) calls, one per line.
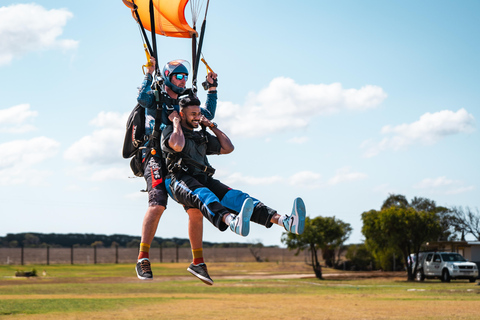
point(180, 76)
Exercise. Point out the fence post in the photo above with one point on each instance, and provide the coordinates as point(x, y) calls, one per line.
point(21, 255)
point(48, 255)
point(161, 252)
point(176, 246)
point(71, 255)
point(116, 253)
point(95, 254)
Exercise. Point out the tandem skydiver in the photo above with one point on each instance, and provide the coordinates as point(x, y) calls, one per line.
point(174, 75)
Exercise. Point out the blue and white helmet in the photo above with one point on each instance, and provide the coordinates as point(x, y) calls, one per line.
point(171, 68)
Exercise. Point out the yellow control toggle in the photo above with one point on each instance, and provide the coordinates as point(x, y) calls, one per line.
point(149, 62)
point(206, 64)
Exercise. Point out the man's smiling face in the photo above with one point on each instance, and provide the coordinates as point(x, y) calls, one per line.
point(191, 116)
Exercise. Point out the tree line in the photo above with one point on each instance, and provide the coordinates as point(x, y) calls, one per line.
point(58, 240)
point(400, 228)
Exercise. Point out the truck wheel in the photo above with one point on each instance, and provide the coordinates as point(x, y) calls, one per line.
point(419, 276)
point(472, 280)
point(445, 276)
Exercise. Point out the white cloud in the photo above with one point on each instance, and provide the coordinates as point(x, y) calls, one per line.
point(103, 146)
point(306, 179)
point(298, 140)
point(238, 178)
point(344, 175)
point(302, 179)
point(429, 129)
point(136, 196)
point(459, 190)
point(18, 158)
point(434, 183)
point(442, 185)
point(111, 174)
point(13, 119)
point(286, 105)
point(30, 27)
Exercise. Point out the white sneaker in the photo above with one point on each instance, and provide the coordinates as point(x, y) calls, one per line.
point(241, 224)
point(296, 221)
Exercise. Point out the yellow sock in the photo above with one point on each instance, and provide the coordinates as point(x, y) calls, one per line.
point(197, 256)
point(144, 249)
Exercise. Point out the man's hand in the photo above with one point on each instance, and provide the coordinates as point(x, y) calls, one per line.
point(151, 69)
point(211, 77)
point(204, 121)
point(177, 140)
point(174, 117)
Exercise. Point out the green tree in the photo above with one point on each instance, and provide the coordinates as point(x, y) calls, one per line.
point(98, 244)
point(324, 233)
point(402, 226)
point(359, 256)
point(31, 240)
point(13, 244)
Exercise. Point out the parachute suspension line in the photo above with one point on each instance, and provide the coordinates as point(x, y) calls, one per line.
point(206, 10)
point(198, 51)
point(196, 7)
point(142, 29)
point(154, 38)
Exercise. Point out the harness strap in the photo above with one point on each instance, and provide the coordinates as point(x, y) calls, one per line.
point(161, 99)
point(177, 163)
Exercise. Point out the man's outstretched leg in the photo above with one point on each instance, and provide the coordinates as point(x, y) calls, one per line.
point(149, 227)
point(192, 194)
point(195, 233)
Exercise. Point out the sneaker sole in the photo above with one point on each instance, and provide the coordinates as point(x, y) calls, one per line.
point(246, 213)
point(300, 212)
point(204, 280)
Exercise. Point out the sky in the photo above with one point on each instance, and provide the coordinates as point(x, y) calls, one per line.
point(338, 102)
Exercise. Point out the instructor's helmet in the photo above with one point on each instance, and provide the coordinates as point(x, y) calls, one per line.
point(171, 68)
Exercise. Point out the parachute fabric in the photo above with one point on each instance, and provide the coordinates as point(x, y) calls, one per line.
point(169, 17)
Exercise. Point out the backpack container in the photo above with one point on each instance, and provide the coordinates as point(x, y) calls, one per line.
point(134, 139)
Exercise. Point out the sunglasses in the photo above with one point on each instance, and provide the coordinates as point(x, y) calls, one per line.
point(180, 76)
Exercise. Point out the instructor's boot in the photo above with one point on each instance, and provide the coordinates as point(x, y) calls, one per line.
point(241, 224)
point(296, 221)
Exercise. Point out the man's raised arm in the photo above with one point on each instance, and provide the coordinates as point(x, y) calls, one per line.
point(227, 146)
point(177, 140)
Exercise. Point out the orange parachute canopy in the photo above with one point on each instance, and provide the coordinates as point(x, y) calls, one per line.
point(169, 17)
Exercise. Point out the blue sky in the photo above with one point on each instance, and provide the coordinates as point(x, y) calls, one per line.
point(341, 103)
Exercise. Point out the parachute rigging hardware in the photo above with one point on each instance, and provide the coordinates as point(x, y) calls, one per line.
point(169, 16)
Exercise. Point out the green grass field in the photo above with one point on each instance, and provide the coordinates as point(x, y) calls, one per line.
point(241, 291)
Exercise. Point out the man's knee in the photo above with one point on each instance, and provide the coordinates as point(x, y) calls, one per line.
point(156, 210)
point(195, 214)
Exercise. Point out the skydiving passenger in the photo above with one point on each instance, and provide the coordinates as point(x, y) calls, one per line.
point(175, 75)
point(189, 180)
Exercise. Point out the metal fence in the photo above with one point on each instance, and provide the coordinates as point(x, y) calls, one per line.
point(96, 255)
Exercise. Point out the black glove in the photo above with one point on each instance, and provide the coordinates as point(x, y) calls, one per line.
point(206, 85)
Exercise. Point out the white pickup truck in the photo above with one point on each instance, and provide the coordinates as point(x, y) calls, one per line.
point(446, 266)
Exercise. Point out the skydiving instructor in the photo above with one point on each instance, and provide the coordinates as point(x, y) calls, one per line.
point(175, 76)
